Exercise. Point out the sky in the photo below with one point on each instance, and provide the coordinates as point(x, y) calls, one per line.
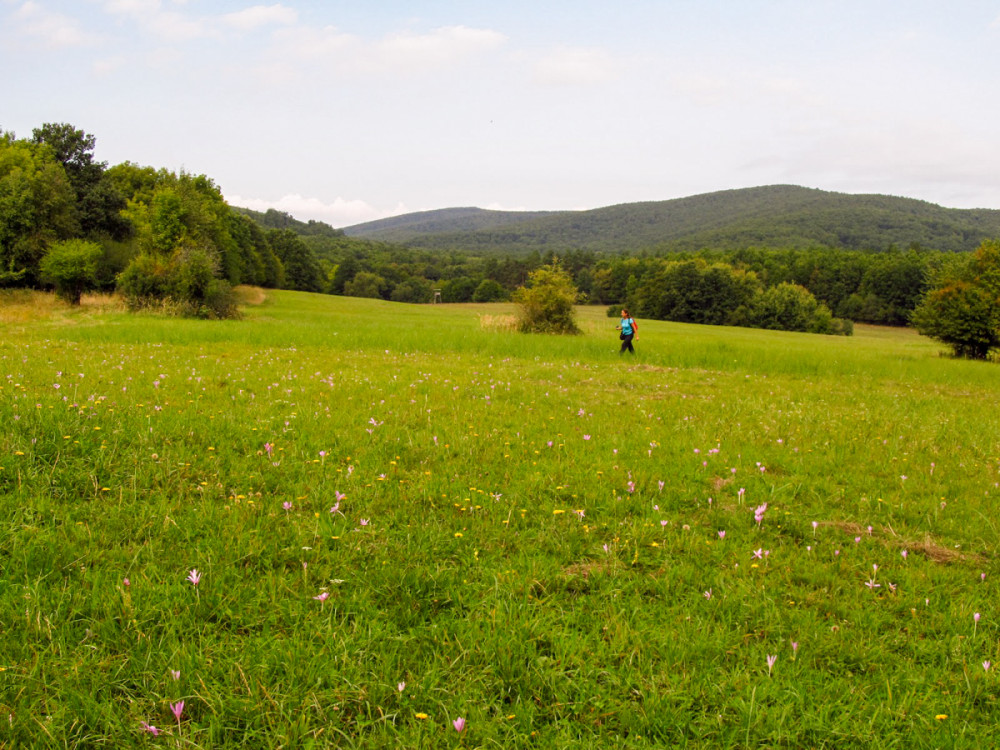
point(346, 112)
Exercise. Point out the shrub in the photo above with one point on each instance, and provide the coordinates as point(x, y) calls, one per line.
point(143, 282)
point(546, 304)
point(71, 266)
point(186, 284)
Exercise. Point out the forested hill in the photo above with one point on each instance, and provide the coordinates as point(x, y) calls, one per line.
point(772, 216)
point(446, 220)
point(274, 219)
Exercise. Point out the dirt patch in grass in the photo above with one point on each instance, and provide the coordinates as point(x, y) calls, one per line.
point(927, 546)
point(585, 569)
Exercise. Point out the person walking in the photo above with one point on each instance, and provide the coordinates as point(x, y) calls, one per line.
point(628, 330)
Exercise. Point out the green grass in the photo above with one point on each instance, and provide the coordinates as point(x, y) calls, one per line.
point(543, 524)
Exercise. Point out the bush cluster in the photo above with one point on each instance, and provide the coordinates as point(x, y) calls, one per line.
point(694, 291)
point(185, 283)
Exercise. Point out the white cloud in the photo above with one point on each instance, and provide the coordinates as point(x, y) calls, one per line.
point(404, 52)
point(177, 27)
point(339, 213)
point(439, 48)
point(261, 15)
point(577, 66)
point(53, 29)
point(314, 45)
point(108, 65)
point(171, 25)
point(132, 7)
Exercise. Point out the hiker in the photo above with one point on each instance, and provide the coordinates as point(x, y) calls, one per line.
point(628, 330)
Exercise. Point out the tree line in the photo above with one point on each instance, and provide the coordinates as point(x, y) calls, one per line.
point(71, 223)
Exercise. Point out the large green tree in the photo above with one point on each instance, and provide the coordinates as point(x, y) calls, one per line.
point(37, 207)
point(963, 308)
point(302, 270)
point(99, 202)
point(71, 266)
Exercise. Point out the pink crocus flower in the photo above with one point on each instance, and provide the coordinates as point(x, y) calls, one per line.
point(194, 576)
point(904, 554)
point(128, 583)
point(177, 709)
point(150, 728)
point(986, 666)
point(722, 535)
point(586, 437)
point(459, 724)
point(758, 554)
point(708, 594)
point(364, 522)
point(401, 686)
point(771, 659)
point(286, 505)
point(322, 597)
point(268, 448)
point(175, 674)
point(795, 647)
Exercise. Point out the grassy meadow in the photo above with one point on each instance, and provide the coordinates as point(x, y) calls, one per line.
point(412, 527)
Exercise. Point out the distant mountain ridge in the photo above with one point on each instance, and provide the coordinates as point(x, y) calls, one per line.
point(770, 216)
point(440, 221)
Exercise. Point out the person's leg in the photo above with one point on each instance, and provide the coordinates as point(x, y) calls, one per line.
point(630, 348)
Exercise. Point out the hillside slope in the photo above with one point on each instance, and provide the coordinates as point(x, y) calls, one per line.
point(445, 220)
point(774, 216)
